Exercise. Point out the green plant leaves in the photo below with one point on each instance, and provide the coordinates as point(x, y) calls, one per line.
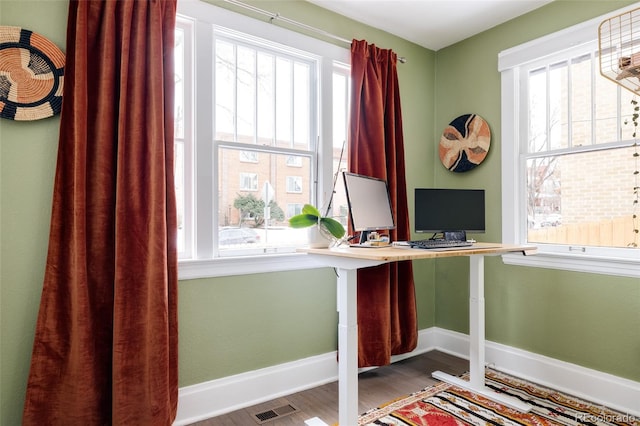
point(310, 210)
point(333, 226)
point(311, 216)
point(303, 220)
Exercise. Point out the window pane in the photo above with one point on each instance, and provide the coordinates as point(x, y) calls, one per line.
point(246, 94)
point(339, 208)
point(182, 139)
point(180, 192)
point(583, 198)
point(249, 156)
point(179, 84)
point(538, 110)
point(225, 84)
point(543, 190)
point(581, 101)
point(301, 104)
point(294, 161)
point(558, 106)
point(283, 101)
point(266, 98)
point(245, 189)
point(294, 184)
point(294, 209)
point(608, 122)
point(249, 181)
point(340, 109)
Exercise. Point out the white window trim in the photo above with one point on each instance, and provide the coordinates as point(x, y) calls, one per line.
point(587, 259)
point(242, 265)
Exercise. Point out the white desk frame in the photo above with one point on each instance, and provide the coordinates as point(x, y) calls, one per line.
point(347, 261)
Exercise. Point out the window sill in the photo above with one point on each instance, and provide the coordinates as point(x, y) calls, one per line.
point(624, 267)
point(243, 265)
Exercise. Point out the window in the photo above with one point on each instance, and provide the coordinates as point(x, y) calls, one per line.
point(252, 101)
point(294, 209)
point(294, 184)
point(182, 150)
point(248, 156)
point(249, 181)
point(294, 161)
point(568, 183)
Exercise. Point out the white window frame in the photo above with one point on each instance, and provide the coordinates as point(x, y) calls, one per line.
point(206, 265)
point(623, 262)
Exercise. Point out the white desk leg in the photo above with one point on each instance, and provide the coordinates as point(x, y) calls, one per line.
point(476, 342)
point(476, 321)
point(347, 347)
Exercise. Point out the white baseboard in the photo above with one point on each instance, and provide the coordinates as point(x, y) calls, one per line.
point(216, 397)
point(601, 388)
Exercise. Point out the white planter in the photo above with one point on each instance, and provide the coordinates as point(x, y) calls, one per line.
point(317, 238)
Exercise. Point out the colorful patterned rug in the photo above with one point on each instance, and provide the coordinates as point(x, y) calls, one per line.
point(444, 404)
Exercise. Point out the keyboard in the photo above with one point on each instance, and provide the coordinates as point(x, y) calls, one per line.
point(438, 244)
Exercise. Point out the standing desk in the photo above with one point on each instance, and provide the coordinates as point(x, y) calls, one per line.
point(348, 260)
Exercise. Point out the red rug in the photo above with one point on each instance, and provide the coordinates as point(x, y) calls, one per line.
point(445, 404)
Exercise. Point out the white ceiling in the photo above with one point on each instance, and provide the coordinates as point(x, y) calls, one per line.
point(433, 24)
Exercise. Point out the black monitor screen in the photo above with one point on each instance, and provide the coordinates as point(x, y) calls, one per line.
point(449, 210)
point(369, 203)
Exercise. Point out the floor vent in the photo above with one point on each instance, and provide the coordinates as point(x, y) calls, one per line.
point(275, 413)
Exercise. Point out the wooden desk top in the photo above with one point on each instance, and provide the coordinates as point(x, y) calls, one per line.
point(399, 253)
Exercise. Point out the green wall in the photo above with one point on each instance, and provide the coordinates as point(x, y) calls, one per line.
point(27, 165)
point(227, 325)
point(231, 325)
point(587, 319)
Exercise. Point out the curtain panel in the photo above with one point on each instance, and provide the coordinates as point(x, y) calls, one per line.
point(387, 317)
point(105, 349)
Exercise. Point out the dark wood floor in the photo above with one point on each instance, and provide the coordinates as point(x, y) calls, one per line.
point(375, 388)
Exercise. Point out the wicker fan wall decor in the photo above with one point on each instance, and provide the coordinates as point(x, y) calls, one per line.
point(619, 49)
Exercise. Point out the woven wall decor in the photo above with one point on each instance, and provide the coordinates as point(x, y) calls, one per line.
point(31, 75)
point(464, 143)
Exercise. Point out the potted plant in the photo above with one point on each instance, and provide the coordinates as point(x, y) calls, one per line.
point(322, 229)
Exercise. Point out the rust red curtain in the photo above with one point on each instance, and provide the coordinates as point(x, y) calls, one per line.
point(105, 349)
point(387, 320)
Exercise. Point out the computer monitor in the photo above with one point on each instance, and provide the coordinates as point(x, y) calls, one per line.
point(452, 212)
point(369, 204)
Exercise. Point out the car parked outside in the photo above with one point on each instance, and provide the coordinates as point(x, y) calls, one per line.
point(229, 236)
